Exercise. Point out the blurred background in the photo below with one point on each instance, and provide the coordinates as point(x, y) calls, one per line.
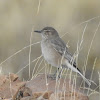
point(19, 17)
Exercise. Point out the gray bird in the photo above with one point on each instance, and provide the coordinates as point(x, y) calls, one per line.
point(55, 51)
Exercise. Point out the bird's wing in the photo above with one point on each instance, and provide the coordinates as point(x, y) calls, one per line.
point(61, 48)
point(59, 45)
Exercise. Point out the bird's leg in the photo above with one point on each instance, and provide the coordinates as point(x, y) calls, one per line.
point(54, 75)
point(59, 73)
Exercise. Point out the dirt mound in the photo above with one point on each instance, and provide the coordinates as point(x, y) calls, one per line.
point(39, 88)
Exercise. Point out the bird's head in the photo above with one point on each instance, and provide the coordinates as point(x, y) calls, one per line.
point(48, 33)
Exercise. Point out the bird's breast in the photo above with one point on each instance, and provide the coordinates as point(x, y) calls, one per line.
point(49, 53)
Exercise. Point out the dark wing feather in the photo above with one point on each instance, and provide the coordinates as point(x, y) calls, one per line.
point(61, 48)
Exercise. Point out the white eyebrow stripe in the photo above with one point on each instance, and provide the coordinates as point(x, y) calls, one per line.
point(47, 30)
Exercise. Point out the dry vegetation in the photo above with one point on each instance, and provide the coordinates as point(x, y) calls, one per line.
point(78, 23)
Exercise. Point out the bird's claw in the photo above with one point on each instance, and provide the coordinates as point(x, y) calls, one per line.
point(54, 76)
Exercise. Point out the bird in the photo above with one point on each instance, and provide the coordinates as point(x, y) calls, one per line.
point(55, 51)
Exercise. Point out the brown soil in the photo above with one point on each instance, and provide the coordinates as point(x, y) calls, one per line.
point(39, 88)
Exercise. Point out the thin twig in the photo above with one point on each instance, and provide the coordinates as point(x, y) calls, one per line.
point(17, 52)
point(30, 52)
point(28, 64)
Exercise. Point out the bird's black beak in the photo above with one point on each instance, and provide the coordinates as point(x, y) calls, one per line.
point(37, 31)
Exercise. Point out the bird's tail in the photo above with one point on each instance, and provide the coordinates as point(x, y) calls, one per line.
point(76, 70)
point(86, 80)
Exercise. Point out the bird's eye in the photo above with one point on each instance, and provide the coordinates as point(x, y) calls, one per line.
point(47, 32)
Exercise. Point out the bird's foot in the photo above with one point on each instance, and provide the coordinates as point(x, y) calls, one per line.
point(54, 76)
